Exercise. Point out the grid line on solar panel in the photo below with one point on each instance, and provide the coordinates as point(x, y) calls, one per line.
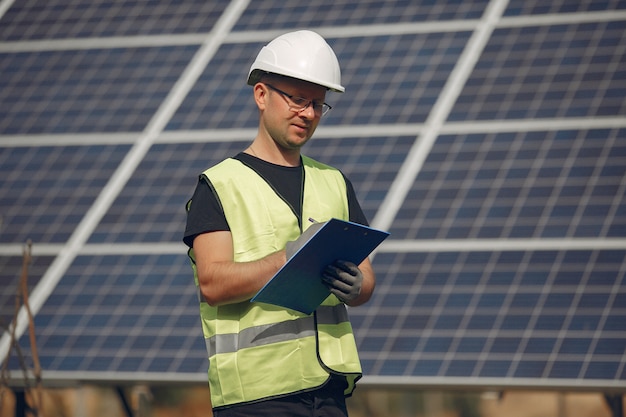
point(57, 19)
point(548, 71)
point(10, 274)
point(135, 311)
point(519, 185)
point(111, 90)
point(371, 164)
point(532, 7)
point(220, 97)
point(388, 79)
point(425, 326)
point(293, 14)
point(150, 208)
point(45, 191)
point(394, 79)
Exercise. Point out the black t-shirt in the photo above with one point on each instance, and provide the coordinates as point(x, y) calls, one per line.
point(206, 214)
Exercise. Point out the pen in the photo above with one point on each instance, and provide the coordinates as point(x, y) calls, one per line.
point(312, 220)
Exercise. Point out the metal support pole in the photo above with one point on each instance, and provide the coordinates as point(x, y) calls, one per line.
point(124, 401)
point(20, 403)
point(616, 404)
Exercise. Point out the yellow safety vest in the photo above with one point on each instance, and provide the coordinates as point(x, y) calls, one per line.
point(258, 351)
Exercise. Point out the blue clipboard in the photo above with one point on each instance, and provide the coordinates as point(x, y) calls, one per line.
point(298, 284)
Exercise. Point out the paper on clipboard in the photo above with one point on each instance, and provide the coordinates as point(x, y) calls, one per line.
point(298, 284)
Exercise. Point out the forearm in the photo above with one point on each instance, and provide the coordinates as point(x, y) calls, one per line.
point(228, 282)
point(224, 281)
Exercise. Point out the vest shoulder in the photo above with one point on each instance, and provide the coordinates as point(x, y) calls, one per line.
point(228, 162)
point(233, 167)
point(229, 167)
point(312, 163)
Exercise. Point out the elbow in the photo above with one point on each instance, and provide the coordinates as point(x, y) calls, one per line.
point(209, 297)
point(208, 291)
point(216, 299)
point(215, 294)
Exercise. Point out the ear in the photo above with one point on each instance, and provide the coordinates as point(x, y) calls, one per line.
point(260, 96)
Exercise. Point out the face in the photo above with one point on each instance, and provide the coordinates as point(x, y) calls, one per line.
point(289, 129)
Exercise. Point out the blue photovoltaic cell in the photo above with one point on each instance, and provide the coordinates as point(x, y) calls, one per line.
point(46, 191)
point(220, 99)
point(81, 91)
point(548, 71)
point(369, 163)
point(294, 14)
point(62, 19)
point(388, 79)
point(151, 208)
point(393, 79)
point(519, 185)
point(131, 313)
point(426, 339)
point(11, 270)
point(532, 7)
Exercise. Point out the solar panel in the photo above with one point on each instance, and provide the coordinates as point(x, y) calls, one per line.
point(553, 316)
point(489, 140)
point(85, 91)
point(62, 19)
point(10, 284)
point(548, 71)
point(137, 319)
point(558, 184)
point(45, 190)
point(537, 7)
point(292, 14)
point(393, 79)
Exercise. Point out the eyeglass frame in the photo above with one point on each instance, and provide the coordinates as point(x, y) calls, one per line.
point(293, 106)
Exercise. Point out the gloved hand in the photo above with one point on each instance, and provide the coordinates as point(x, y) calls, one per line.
point(344, 279)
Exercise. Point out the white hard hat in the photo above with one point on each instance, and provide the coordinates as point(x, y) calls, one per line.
point(304, 55)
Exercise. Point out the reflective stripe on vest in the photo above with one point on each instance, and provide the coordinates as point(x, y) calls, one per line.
point(281, 332)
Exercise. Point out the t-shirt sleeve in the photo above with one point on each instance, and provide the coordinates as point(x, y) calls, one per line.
point(356, 213)
point(204, 213)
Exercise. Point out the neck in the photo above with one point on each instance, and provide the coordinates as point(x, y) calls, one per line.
point(274, 154)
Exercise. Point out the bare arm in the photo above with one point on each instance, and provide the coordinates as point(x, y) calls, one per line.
point(224, 281)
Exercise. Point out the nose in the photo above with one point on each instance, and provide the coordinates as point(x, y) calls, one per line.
point(308, 111)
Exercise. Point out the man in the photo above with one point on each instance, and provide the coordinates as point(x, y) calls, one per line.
point(244, 219)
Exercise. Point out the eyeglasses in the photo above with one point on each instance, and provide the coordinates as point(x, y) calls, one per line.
point(299, 104)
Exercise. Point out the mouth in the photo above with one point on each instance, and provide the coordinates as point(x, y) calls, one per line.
point(303, 128)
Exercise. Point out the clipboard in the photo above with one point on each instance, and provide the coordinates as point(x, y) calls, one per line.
point(298, 284)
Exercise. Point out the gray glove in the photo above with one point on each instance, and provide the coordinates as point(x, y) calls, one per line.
point(344, 279)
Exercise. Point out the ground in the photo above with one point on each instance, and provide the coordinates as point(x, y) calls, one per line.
point(192, 401)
